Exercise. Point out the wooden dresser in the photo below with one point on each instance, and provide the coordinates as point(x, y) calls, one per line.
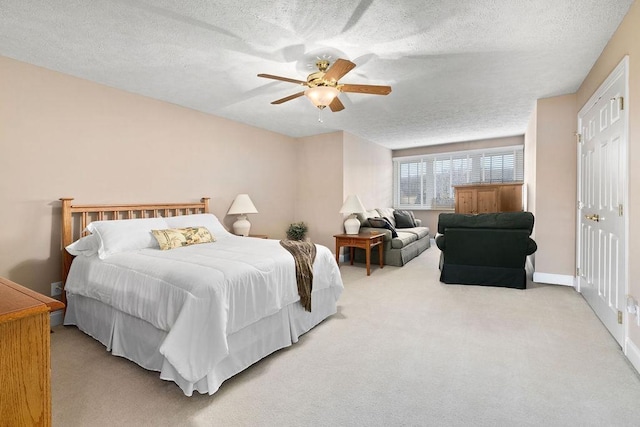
point(484, 198)
point(25, 360)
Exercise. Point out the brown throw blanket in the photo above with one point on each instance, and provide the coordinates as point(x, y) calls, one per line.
point(303, 253)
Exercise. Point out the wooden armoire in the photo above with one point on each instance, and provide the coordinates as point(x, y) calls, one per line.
point(484, 198)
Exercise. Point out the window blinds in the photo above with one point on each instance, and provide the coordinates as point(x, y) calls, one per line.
point(426, 182)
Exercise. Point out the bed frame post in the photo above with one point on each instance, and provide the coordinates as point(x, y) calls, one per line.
point(67, 239)
point(205, 201)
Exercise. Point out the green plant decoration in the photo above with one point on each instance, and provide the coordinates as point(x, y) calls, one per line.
point(297, 231)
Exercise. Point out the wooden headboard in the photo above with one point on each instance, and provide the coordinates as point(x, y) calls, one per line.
point(75, 219)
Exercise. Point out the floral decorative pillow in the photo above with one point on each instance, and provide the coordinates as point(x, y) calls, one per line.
point(172, 238)
point(209, 221)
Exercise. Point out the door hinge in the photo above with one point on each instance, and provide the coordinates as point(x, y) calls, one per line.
point(620, 210)
point(578, 272)
point(619, 317)
point(578, 138)
point(620, 100)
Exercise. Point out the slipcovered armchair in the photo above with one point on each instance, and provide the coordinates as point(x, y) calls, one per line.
point(486, 249)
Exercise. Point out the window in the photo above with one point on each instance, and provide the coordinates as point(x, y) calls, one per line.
point(426, 182)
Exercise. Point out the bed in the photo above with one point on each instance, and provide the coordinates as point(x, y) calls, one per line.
point(198, 314)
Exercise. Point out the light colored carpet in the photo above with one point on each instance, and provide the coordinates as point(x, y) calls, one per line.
point(403, 350)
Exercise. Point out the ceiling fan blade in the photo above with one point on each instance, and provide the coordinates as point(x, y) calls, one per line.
point(370, 89)
point(284, 79)
point(288, 98)
point(336, 105)
point(338, 69)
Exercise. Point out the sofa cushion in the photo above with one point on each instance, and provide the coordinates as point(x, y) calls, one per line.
point(403, 239)
point(373, 213)
point(404, 219)
point(364, 217)
point(420, 232)
point(383, 223)
point(387, 213)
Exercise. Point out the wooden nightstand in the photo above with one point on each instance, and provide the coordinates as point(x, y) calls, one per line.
point(25, 358)
point(364, 241)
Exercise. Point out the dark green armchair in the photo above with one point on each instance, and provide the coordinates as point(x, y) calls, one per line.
point(486, 249)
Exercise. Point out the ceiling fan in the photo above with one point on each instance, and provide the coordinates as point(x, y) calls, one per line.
point(323, 87)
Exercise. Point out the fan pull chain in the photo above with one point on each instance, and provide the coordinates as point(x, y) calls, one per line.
point(320, 115)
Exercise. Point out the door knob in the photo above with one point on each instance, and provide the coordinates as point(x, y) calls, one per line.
point(593, 217)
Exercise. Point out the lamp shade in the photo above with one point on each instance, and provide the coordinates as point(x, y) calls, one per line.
point(242, 205)
point(321, 96)
point(352, 205)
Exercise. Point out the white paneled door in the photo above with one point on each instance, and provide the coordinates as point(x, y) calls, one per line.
point(602, 179)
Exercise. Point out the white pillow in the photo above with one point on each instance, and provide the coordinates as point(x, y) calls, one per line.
point(209, 221)
point(87, 246)
point(125, 235)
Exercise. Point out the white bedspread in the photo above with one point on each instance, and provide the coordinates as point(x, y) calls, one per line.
point(200, 294)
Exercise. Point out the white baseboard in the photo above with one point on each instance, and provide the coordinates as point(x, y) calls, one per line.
point(633, 353)
point(554, 279)
point(56, 318)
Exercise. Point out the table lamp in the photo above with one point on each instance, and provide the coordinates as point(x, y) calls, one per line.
point(352, 205)
point(241, 206)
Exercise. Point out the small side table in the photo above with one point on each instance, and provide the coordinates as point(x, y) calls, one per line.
point(25, 355)
point(364, 241)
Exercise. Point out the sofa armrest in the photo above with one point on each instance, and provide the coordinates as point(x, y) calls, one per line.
point(440, 242)
point(418, 222)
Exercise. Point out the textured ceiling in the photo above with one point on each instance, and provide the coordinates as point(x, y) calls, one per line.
point(460, 70)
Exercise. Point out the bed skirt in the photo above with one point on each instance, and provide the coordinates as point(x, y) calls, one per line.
point(139, 341)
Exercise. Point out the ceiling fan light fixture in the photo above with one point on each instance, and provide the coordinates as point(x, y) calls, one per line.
point(321, 96)
point(324, 87)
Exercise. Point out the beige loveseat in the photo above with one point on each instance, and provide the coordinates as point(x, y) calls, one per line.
point(409, 243)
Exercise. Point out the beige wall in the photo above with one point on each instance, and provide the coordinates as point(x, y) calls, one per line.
point(429, 218)
point(61, 136)
point(368, 172)
point(554, 196)
point(530, 163)
point(332, 166)
point(530, 171)
point(625, 41)
point(320, 180)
